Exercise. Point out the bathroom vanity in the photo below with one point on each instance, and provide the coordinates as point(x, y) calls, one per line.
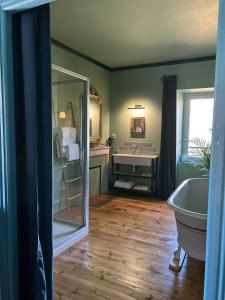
point(99, 170)
point(135, 167)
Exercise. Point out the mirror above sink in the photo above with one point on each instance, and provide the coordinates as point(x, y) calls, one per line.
point(95, 118)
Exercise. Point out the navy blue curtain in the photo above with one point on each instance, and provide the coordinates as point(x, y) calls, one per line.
point(167, 166)
point(32, 71)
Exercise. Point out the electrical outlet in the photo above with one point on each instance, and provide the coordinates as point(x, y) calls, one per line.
point(114, 135)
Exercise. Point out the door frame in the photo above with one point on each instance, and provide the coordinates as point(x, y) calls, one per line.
point(8, 209)
point(215, 254)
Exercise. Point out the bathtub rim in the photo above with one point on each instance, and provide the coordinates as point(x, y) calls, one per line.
point(183, 211)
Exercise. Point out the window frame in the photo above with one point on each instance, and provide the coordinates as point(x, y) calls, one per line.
point(186, 115)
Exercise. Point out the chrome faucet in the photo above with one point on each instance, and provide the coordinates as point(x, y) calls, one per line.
point(134, 148)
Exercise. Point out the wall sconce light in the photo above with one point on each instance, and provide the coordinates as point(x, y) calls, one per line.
point(137, 106)
point(62, 115)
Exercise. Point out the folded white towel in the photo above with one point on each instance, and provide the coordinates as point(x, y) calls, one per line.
point(67, 136)
point(64, 136)
point(73, 134)
point(143, 188)
point(124, 184)
point(72, 152)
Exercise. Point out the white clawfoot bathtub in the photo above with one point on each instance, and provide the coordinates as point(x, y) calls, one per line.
point(190, 203)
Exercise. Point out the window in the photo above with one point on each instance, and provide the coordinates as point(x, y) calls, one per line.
point(197, 122)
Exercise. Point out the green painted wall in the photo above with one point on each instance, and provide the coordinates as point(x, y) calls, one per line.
point(122, 89)
point(61, 94)
point(143, 86)
point(99, 78)
point(184, 172)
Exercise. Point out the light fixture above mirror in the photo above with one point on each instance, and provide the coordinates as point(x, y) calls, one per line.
point(137, 106)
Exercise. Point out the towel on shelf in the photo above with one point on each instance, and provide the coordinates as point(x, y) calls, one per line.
point(72, 152)
point(67, 136)
point(125, 184)
point(143, 188)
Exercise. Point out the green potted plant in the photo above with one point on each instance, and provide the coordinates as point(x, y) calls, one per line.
point(203, 151)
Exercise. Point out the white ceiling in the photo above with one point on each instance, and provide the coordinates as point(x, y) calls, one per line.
point(129, 32)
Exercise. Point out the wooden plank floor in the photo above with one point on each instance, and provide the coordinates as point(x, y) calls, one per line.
point(126, 257)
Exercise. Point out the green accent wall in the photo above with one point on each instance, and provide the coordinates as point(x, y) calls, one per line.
point(61, 95)
point(142, 86)
point(184, 172)
point(122, 89)
point(99, 78)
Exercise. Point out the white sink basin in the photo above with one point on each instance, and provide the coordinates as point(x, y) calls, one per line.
point(134, 159)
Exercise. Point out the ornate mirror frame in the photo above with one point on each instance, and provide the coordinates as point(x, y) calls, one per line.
point(96, 141)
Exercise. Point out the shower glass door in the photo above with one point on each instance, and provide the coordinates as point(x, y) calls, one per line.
point(70, 155)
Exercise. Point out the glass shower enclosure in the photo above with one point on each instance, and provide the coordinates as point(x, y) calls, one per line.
point(70, 98)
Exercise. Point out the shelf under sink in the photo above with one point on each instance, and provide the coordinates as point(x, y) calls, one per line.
point(134, 174)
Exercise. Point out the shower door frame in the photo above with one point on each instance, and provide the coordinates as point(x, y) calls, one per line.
point(80, 233)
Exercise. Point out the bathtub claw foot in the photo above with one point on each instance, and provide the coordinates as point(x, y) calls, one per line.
point(177, 260)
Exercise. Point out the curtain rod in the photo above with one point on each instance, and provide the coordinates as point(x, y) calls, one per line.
point(193, 75)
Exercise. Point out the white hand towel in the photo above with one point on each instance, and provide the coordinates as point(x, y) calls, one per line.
point(73, 134)
point(64, 136)
point(67, 136)
point(143, 188)
point(73, 152)
point(124, 184)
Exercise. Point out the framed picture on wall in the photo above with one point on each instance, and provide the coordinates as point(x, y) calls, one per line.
point(137, 125)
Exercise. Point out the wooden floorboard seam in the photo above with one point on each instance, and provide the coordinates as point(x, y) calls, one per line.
point(126, 256)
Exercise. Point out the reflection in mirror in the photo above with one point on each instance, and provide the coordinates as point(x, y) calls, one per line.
point(95, 110)
point(94, 118)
